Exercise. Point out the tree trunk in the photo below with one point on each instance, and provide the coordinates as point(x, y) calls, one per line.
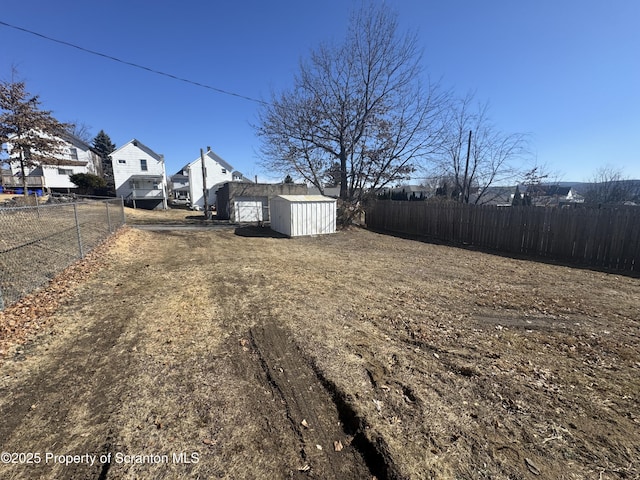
point(24, 177)
point(344, 188)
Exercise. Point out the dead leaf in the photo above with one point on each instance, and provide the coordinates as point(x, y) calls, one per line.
point(319, 447)
point(305, 468)
point(337, 446)
point(208, 441)
point(304, 423)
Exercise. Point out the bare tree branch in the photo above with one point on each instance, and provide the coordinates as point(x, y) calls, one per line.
point(360, 105)
point(492, 158)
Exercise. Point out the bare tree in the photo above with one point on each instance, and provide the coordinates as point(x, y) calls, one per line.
point(476, 155)
point(608, 185)
point(359, 105)
point(80, 130)
point(30, 135)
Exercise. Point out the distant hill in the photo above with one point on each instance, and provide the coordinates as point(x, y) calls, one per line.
point(629, 190)
point(581, 187)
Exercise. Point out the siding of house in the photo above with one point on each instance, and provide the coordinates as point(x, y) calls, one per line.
point(57, 177)
point(218, 172)
point(75, 157)
point(180, 185)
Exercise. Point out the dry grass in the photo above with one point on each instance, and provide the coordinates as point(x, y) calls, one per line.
point(458, 364)
point(139, 216)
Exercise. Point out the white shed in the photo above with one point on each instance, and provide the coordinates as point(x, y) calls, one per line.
point(296, 215)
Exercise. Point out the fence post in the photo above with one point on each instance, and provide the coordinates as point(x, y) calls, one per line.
point(124, 220)
point(108, 216)
point(75, 214)
point(1, 301)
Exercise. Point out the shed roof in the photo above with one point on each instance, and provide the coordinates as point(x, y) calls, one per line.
point(306, 198)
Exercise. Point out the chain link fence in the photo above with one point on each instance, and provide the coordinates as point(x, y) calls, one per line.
point(38, 242)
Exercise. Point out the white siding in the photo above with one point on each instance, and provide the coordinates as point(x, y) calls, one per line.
point(72, 150)
point(58, 177)
point(215, 177)
point(298, 215)
point(127, 163)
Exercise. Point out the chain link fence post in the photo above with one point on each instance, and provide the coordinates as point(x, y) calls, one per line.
point(108, 217)
point(75, 214)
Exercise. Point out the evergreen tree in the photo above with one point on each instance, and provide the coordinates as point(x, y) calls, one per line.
point(103, 145)
point(32, 134)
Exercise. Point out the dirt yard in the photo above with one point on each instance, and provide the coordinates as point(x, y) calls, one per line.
point(236, 354)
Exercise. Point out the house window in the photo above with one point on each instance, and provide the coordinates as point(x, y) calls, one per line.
point(224, 170)
point(74, 153)
point(65, 171)
point(143, 165)
point(155, 185)
point(122, 161)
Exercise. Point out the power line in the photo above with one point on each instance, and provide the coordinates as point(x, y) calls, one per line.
point(131, 64)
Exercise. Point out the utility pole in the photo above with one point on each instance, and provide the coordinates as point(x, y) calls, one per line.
point(207, 213)
point(465, 188)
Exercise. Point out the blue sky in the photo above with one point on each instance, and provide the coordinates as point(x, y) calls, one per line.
point(567, 72)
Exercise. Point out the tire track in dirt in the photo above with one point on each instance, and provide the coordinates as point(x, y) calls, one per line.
point(331, 443)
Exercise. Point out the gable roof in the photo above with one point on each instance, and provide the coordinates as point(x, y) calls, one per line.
point(552, 190)
point(494, 195)
point(141, 146)
point(236, 174)
point(219, 159)
point(213, 156)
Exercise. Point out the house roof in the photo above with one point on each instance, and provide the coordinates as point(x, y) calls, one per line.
point(552, 190)
point(236, 174)
point(70, 138)
point(141, 146)
point(146, 177)
point(213, 156)
point(306, 198)
point(218, 159)
point(495, 195)
point(56, 162)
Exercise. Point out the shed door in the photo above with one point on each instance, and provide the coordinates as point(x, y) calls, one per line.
point(248, 210)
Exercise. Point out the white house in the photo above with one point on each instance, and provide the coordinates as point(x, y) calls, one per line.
point(139, 175)
point(75, 156)
point(187, 183)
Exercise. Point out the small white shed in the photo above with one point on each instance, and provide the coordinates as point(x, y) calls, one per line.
point(297, 215)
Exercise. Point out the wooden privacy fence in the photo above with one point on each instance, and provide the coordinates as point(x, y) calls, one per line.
point(607, 237)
